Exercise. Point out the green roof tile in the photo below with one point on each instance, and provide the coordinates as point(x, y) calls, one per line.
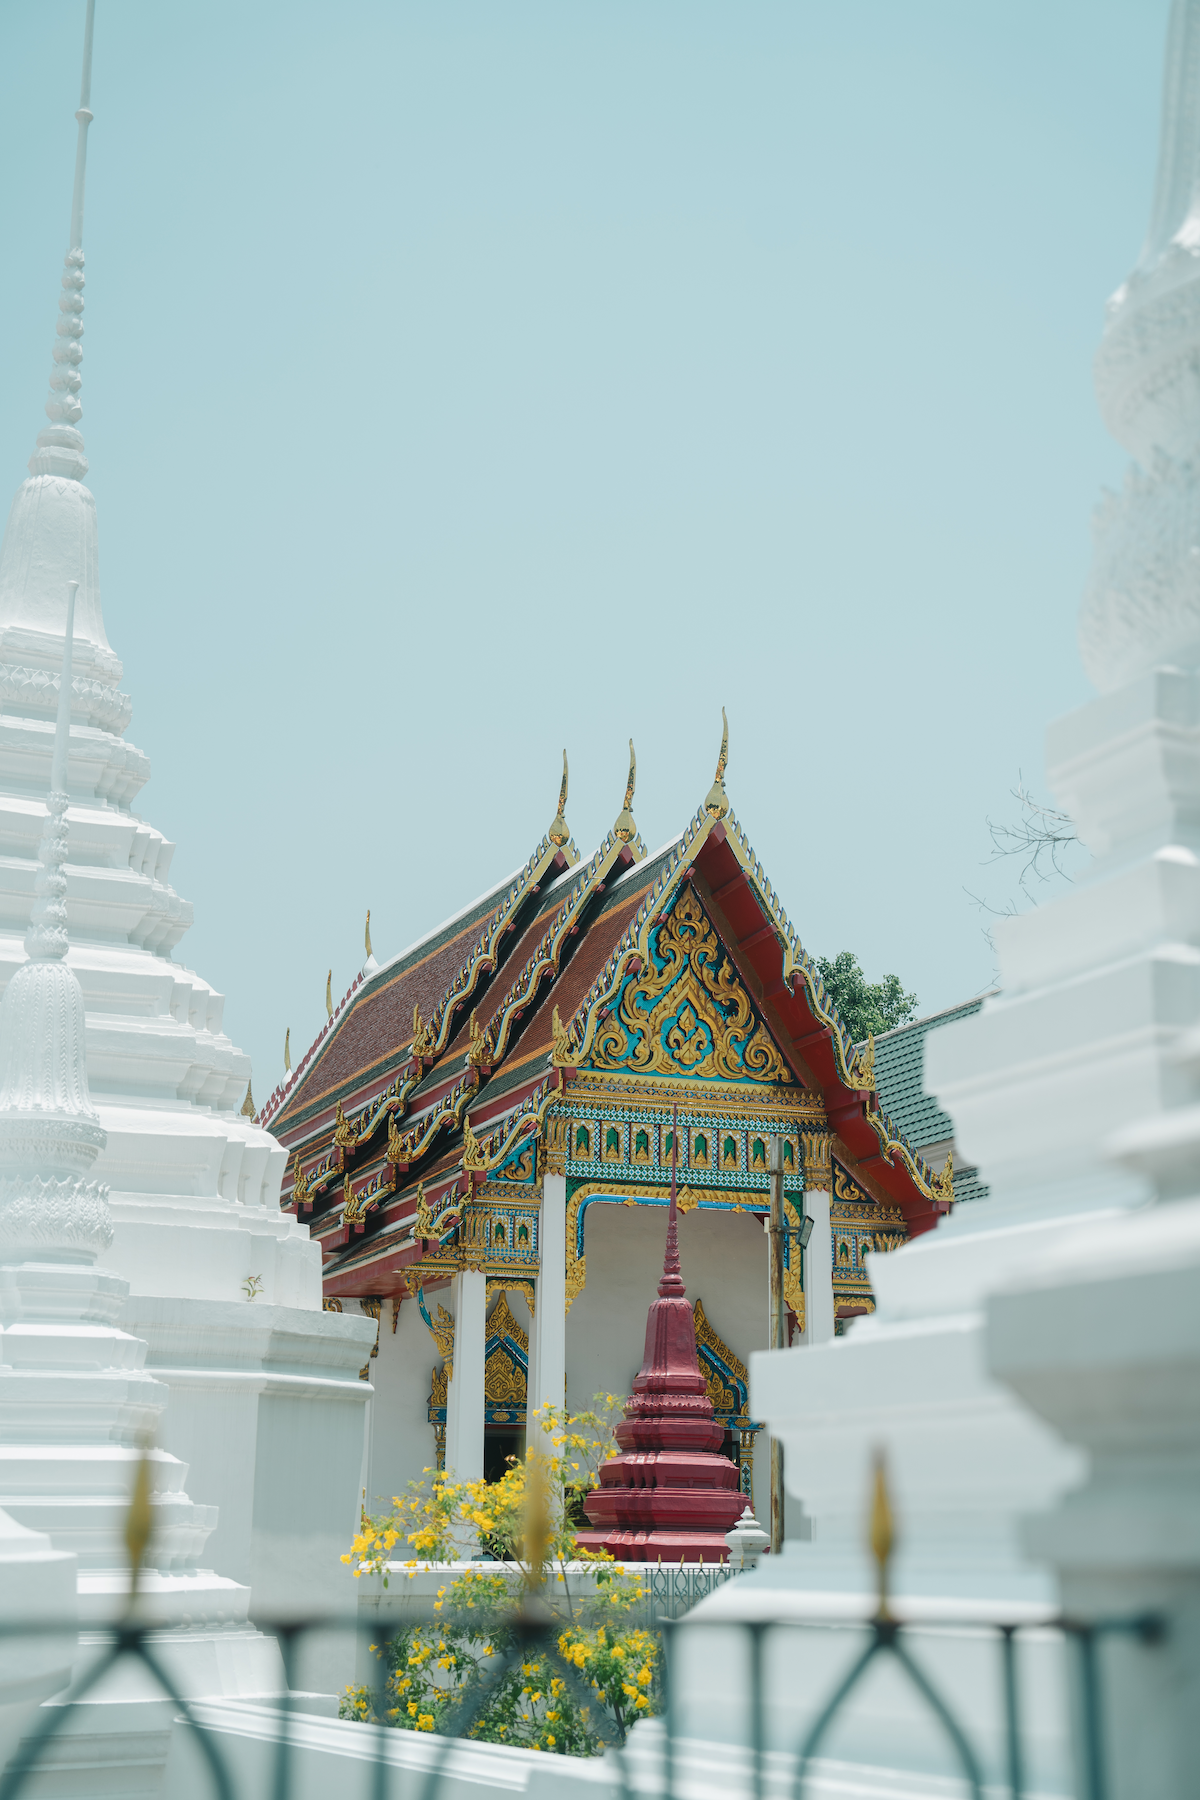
point(900, 1080)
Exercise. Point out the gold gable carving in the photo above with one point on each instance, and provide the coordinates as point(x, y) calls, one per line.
point(501, 1324)
point(693, 1015)
point(724, 1399)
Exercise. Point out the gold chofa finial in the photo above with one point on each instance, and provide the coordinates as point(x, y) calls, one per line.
point(717, 804)
point(329, 993)
point(882, 1532)
point(248, 1107)
point(367, 934)
point(625, 828)
point(287, 1051)
point(558, 833)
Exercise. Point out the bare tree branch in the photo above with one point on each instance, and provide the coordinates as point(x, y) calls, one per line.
point(1042, 836)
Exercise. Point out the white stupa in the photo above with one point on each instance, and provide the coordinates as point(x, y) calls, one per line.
point(193, 1183)
point(78, 1411)
point(1089, 1037)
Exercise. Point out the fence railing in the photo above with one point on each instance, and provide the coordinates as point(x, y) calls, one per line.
point(672, 1589)
point(661, 1753)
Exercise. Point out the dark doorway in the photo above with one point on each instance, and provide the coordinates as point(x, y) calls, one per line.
point(498, 1446)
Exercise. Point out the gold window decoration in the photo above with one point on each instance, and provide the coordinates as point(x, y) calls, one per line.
point(729, 1153)
point(758, 1154)
point(699, 1151)
point(612, 1143)
point(583, 1143)
point(498, 1233)
point(641, 1145)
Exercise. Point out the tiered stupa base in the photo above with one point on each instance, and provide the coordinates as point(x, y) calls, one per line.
point(669, 1494)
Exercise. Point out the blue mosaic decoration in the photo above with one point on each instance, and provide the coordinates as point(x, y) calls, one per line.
point(519, 1166)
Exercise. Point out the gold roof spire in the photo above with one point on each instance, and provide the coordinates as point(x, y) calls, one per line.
point(367, 934)
point(558, 832)
point(625, 828)
point(717, 802)
point(248, 1107)
point(287, 1051)
point(329, 993)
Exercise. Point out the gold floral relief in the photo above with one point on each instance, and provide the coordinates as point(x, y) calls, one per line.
point(689, 1014)
point(503, 1379)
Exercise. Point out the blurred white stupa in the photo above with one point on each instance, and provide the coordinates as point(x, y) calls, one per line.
point(193, 1183)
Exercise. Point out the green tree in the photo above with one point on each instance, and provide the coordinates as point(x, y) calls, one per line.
point(866, 1007)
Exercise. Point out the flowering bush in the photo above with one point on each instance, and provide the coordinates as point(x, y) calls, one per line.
point(436, 1515)
point(593, 1672)
point(605, 1675)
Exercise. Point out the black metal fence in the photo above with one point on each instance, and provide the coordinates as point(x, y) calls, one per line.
point(760, 1764)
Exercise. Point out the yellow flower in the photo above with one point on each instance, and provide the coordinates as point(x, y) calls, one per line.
point(641, 1701)
point(412, 1709)
point(425, 1722)
point(550, 1738)
point(644, 1676)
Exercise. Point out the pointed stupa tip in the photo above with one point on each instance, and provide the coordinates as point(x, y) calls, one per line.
point(248, 1107)
point(625, 828)
point(558, 831)
point(671, 1286)
point(59, 449)
point(717, 802)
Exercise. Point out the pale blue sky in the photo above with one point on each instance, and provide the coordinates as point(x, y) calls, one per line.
point(465, 379)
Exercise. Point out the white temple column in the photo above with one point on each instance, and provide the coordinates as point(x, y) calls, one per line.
point(818, 1256)
point(548, 1341)
point(464, 1399)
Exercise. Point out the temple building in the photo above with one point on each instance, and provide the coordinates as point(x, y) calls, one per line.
point(481, 1139)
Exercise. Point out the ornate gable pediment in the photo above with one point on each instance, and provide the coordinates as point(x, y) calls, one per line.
point(688, 1013)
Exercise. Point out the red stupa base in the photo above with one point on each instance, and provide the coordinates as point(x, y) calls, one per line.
point(669, 1493)
point(657, 1546)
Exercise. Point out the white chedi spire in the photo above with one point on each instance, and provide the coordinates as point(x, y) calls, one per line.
point(193, 1184)
point(51, 534)
point(1142, 602)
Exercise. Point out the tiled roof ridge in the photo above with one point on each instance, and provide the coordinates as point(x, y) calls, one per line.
point(894, 1031)
point(531, 872)
point(449, 1111)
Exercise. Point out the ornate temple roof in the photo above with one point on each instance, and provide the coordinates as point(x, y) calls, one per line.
point(437, 1070)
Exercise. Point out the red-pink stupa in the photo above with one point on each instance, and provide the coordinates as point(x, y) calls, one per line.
point(670, 1493)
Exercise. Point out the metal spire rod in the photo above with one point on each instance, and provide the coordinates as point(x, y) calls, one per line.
point(84, 116)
